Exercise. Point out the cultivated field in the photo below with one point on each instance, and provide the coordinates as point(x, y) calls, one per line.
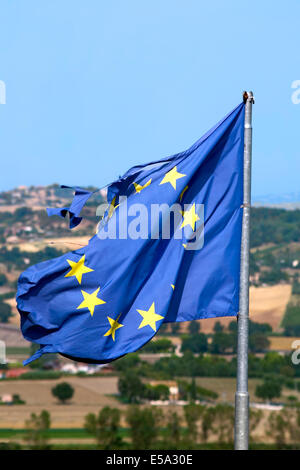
point(267, 305)
point(63, 243)
point(91, 394)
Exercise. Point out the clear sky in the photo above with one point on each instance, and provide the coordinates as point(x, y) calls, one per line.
point(94, 87)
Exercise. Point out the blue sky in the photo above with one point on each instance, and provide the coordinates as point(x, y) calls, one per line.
point(95, 87)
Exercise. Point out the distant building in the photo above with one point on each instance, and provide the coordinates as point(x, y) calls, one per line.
point(171, 384)
point(90, 369)
point(14, 373)
point(69, 368)
point(12, 239)
point(7, 398)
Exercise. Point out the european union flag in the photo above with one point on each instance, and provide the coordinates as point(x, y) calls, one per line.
point(167, 250)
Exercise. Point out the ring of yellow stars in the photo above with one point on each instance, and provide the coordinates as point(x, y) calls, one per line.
point(139, 187)
point(172, 176)
point(78, 269)
point(114, 326)
point(90, 301)
point(189, 217)
point(149, 317)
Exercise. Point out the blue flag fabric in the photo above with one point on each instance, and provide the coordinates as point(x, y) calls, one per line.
point(110, 297)
point(79, 200)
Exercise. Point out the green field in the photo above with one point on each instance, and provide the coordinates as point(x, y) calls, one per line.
point(51, 434)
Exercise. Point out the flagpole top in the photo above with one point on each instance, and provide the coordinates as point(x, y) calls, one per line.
point(248, 95)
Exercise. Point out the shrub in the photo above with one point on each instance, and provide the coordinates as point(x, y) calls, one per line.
point(291, 320)
point(269, 389)
point(41, 374)
point(196, 343)
point(5, 312)
point(63, 391)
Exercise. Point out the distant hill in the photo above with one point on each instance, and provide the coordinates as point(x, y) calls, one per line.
point(37, 197)
point(24, 218)
point(289, 201)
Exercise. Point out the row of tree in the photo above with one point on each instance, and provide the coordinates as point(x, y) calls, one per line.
point(203, 365)
point(151, 428)
point(221, 341)
point(274, 226)
point(133, 390)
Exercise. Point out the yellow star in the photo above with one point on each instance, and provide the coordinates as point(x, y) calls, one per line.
point(114, 326)
point(138, 187)
point(149, 317)
point(172, 176)
point(173, 287)
point(78, 269)
point(189, 217)
point(90, 301)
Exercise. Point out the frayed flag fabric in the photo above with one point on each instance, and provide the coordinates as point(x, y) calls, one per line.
point(167, 250)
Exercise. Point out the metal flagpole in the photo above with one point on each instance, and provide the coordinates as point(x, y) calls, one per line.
point(242, 396)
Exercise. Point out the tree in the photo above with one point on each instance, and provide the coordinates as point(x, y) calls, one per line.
point(258, 342)
point(232, 327)
point(255, 416)
point(296, 287)
point(5, 312)
point(253, 266)
point(218, 327)
point(63, 391)
point(159, 345)
point(193, 389)
point(105, 427)
point(173, 429)
point(128, 362)
point(130, 386)
point(223, 422)
point(273, 277)
point(192, 414)
point(195, 343)
point(157, 392)
point(143, 426)
point(207, 423)
point(194, 327)
point(199, 419)
point(290, 320)
point(163, 329)
point(3, 279)
point(277, 427)
point(221, 342)
point(268, 390)
point(263, 328)
point(175, 328)
point(36, 430)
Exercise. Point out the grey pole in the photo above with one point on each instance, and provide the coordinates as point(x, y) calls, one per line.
point(241, 432)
